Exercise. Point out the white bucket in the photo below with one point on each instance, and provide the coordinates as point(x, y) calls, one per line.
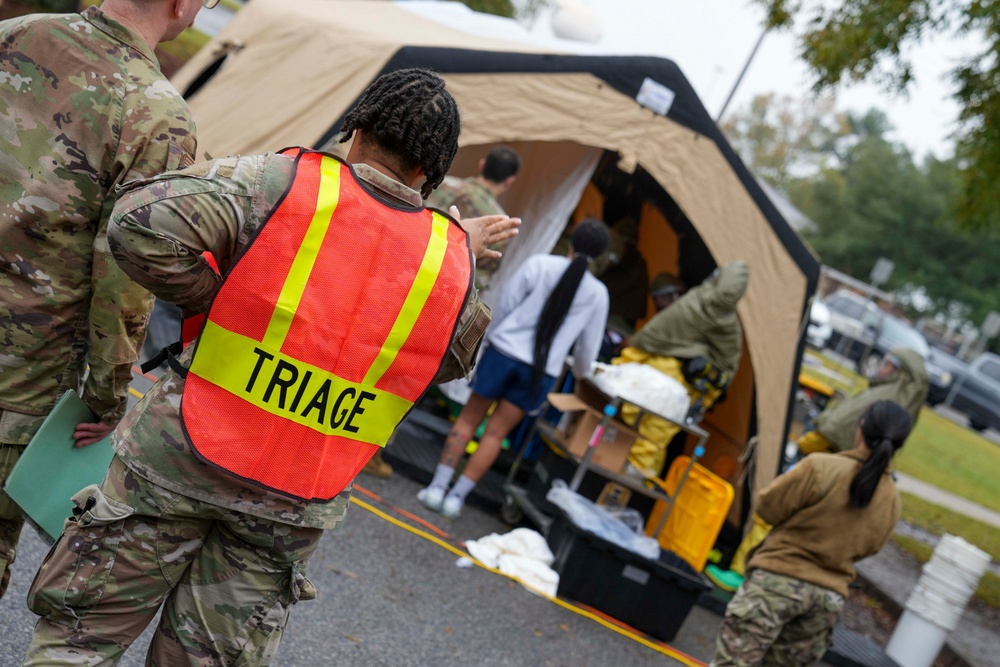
point(916, 641)
point(936, 604)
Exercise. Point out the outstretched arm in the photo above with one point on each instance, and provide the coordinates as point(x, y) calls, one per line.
point(486, 231)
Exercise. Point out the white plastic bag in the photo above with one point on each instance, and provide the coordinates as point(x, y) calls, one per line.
point(645, 387)
point(597, 520)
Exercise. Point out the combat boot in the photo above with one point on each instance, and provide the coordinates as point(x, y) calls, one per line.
point(377, 467)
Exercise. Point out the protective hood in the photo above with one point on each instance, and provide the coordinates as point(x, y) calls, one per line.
point(703, 322)
point(907, 386)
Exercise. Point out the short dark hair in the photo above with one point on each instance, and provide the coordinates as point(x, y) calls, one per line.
point(410, 115)
point(501, 163)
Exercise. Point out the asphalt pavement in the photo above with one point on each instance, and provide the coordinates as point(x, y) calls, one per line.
point(389, 597)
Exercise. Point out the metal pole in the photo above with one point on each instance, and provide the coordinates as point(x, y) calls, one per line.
point(739, 79)
point(610, 410)
point(955, 389)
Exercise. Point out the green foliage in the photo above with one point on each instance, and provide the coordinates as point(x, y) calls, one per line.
point(854, 40)
point(186, 44)
point(524, 10)
point(779, 136)
point(498, 7)
point(58, 6)
point(878, 203)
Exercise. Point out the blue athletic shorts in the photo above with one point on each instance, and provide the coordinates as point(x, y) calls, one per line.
point(500, 377)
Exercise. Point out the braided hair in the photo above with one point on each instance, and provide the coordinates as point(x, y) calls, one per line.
point(410, 116)
point(589, 239)
point(884, 426)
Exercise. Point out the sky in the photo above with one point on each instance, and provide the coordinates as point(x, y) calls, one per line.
point(711, 39)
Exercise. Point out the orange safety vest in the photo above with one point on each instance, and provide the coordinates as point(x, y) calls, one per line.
point(324, 333)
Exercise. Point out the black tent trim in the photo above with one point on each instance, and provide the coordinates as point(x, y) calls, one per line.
point(625, 74)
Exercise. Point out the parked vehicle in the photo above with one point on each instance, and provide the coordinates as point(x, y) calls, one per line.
point(864, 333)
point(890, 331)
point(977, 392)
point(943, 369)
point(818, 331)
point(848, 312)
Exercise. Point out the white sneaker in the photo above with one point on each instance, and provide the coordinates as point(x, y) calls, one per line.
point(432, 498)
point(451, 507)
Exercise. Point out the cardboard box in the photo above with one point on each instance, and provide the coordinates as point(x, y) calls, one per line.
point(578, 429)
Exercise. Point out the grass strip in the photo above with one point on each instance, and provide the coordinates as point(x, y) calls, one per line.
point(939, 520)
point(989, 587)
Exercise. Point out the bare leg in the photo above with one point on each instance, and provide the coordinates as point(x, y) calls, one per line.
point(464, 428)
point(500, 423)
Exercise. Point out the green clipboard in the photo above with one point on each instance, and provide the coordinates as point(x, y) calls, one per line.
point(51, 470)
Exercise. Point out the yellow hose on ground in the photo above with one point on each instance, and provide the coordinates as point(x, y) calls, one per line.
point(665, 650)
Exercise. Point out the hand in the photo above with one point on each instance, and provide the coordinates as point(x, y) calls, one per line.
point(486, 231)
point(88, 433)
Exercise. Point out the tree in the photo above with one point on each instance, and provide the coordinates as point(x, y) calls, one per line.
point(780, 138)
point(867, 39)
point(523, 10)
point(878, 203)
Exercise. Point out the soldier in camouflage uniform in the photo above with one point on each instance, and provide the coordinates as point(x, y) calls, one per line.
point(477, 196)
point(225, 558)
point(473, 197)
point(752, 626)
point(828, 512)
point(83, 109)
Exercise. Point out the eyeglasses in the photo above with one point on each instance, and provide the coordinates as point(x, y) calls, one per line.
point(209, 4)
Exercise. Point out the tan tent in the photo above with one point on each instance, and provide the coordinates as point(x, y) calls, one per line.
point(591, 130)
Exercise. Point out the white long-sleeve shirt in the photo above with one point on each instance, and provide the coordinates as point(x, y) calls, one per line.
point(520, 305)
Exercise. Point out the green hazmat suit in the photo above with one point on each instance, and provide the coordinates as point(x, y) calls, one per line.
point(907, 386)
point(702, 323)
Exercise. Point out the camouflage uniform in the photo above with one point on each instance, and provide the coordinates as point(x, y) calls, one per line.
point(777, 620)
point(83, 109)
point(473, 201)
point(158, 234)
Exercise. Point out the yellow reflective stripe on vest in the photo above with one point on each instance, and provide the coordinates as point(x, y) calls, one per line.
point(286, 387)
point(305, 258)
point(416, 299)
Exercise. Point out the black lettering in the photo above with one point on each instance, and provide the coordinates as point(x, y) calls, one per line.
point(278, 381)
point(262, 356)
point(302, 390)
point(335, 420)
point(358, 410)
point(318, 401)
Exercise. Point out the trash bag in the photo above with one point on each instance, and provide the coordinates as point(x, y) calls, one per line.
point(646, 387)
point(597, 520)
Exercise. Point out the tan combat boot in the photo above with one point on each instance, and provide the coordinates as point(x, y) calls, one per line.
point(377, 466)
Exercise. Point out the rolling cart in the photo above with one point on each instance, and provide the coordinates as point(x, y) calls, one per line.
point(517, 502)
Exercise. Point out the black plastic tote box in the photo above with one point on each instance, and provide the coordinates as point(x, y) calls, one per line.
point(652, 596)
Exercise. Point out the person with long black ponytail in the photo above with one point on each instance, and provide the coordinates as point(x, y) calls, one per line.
point(828, 512)
point(551, 305)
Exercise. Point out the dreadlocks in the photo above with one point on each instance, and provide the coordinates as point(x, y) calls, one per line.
point(409, 115)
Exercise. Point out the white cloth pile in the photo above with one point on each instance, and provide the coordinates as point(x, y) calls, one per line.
point(522, 554)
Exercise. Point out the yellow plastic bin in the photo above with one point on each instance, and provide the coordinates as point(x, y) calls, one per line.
point(697, 515)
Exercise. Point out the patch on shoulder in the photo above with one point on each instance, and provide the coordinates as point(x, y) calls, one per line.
point(473, 334)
